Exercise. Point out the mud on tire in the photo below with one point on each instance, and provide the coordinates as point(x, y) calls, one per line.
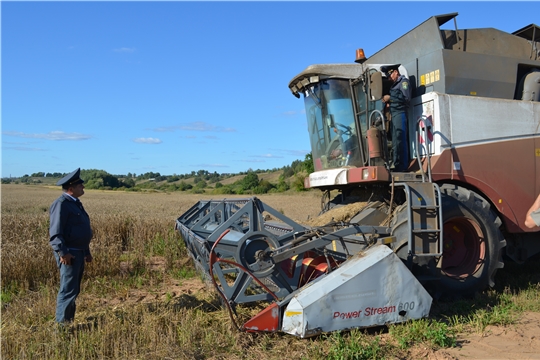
point(472, 243)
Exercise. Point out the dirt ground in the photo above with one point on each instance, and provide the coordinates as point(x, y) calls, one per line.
point(520, 341)
point(517, 342)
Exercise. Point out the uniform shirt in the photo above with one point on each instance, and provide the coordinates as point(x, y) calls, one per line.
point(69, 226)
point(535, 215)
point(400, 94)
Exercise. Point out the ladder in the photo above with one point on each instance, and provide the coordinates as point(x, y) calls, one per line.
point(425, 218)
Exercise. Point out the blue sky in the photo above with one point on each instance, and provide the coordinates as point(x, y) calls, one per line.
point(176, 86)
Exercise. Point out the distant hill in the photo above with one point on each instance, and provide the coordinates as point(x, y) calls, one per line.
point(271, 177)
point(202, 181)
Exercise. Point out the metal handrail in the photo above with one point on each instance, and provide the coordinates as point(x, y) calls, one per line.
point(426, 126)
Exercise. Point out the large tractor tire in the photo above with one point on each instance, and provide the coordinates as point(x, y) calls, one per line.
point(472, 244)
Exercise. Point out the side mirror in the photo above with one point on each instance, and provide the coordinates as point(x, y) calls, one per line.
point(375, 86)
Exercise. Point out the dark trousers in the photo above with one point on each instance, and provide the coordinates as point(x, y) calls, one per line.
point(70, 286)
point(400, 145)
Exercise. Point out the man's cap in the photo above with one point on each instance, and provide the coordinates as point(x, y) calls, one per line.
point(71, 178)
point(386, 68)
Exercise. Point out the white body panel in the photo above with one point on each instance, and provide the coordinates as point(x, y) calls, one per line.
point(328, 177)
point(468, 120)
point(372, 288)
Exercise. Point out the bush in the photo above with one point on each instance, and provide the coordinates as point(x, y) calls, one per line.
point(287, 172)
point(223, 190)
point(250, 181)
point(171, 187)
point(263, 187)
point(298, 182)
point(308, 164)
point(183, 186)
point(100, 179)
point(282, 185)
point(147, 185)
point(128, 183)
point(201, 184)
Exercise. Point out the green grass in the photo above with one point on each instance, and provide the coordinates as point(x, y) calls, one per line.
point(183, 273)
point(434, 333)
point(355, 345)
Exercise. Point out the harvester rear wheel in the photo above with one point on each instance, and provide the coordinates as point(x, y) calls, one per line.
point(472, 243)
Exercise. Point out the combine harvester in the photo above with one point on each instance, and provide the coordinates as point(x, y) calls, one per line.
point(438, 229)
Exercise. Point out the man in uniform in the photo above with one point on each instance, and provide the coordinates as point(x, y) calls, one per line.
point(398, 102)
point(70, 234)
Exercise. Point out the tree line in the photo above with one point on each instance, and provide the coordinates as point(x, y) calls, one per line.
point(292, 177)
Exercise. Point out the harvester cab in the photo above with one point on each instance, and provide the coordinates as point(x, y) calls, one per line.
point(342, 103)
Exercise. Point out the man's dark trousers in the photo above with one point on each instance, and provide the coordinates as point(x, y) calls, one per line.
point(70, 286)
point(400, 148)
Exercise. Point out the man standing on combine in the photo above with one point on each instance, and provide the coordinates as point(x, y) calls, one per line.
point(398, 102)
point(70, 234)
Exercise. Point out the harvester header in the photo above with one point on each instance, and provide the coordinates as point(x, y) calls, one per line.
point(249, 258)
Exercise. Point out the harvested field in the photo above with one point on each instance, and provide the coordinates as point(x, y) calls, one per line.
point(141, 298)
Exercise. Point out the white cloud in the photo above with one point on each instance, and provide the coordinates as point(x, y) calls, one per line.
point(53, 135)
point(202, 126)
point(147, 141)
point(194, 126)
point(268, 156)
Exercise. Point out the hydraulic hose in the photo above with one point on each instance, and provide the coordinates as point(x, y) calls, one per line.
point(213, 259)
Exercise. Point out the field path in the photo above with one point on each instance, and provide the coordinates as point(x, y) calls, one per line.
point(520, 341)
